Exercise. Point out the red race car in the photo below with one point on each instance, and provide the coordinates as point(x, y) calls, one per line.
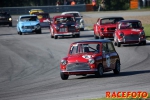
point(64, 25)
point(90, 57)
point(44, 19)
point(105, 27)
point(129, 31)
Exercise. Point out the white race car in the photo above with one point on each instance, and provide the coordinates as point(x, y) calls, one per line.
point(78, 17)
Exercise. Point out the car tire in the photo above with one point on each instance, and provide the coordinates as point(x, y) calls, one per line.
point(39, 31)
point(82, 29)
point(115, 44)
point(20, 33)
point(64, 76)
point(100, 71)
point(52, 36)
point(118, 44)
point(144, 42)
point(55, 37)
point(10, 24)
point(117, 67)
point(73, 36)
point(96, 37)
point(77, 35)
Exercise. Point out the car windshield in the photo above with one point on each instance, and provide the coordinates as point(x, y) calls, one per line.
point(74, 14)
point(28, 18)
point(110, 20)
point(85, 48)
point(130, 25)
point(40, 16)
point(64, 19)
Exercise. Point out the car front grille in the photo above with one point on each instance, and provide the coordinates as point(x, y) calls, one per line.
point(132, 37)
point(63, 29)
point(78, 66)
point(28, 27)
point(71, 29)
point(111, 29)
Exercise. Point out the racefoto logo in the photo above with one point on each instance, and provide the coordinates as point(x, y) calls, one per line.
point(127, 94)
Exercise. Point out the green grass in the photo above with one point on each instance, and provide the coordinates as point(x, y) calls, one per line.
point(120, 98)
point(147, 31)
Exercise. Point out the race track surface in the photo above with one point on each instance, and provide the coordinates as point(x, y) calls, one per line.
point(29, 67)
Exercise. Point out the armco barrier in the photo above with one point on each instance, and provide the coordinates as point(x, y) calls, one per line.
point(49, 9)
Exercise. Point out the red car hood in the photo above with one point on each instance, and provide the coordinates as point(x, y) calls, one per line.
point(131, 31)
point(44, 20)
point(79, 58)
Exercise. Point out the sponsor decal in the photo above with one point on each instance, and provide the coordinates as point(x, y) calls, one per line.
point(127, 94)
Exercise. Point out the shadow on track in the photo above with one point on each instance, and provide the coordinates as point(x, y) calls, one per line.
point(129, 73)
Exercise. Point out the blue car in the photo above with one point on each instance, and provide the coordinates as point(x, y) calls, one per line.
point(28, 24)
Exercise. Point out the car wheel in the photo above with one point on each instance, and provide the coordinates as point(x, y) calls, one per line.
point(38, 31)
point(77, 35)
point(64, 76)
point(115, 43)
point(55, 37)
point(96, 37)
point(10, 24)
point(100, 71)
point(117, 68)
point(82, 29)
point(20, 33)
point(52, 36)
point(73, 36)
point(118, 44)
point(144, 42)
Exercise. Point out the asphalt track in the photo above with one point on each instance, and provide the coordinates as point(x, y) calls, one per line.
point(29, 67)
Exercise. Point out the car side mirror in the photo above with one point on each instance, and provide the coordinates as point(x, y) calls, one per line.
point(29, 11)
point(17, 20)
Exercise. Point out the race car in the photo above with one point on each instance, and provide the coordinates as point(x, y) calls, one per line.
point(105, 27)
point(34, 11)
point(64, 25)
point(44, 19)
point(28, 24)
point(129, 31)
point(5, 19)
point(90, 57)
point(78, 18)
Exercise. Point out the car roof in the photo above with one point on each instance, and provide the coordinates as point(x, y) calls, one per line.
point(26, 15)
point(129, 21)
point(42, 13)
point(110, 17)
point(71, 12)
point(36, 9)
point(98, 40)
point(63, 16)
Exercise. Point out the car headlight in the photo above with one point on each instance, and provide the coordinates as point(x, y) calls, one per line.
point(37, 27)
point(63, 62)
point(91, 61)
point(77, 26)
point(57, 28)
point(10, 19)
point(121, 34)
point(23, 27)
point(142, 33)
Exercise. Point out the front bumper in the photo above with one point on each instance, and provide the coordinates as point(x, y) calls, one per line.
point(80, 72)
point(29, 30)
point(66, 34)
point(132, 40)
point(107, 34)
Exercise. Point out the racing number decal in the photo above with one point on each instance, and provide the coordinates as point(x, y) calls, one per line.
point(108, 60)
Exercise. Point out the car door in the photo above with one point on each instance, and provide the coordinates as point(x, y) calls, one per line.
point(112, 54)
point(106, 57)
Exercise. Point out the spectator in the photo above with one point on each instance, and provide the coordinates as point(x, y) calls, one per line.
point(65, 2)
point(57, 3)
point(73, 3)
point(94, 4)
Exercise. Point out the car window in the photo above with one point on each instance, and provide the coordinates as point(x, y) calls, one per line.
point(111, 47)
point(110, 20)
point(64, 19)
point(28, 18)
point(129, 25)
point(105, 48)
